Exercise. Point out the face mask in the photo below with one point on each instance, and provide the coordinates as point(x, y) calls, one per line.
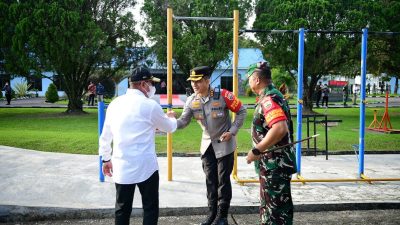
point(151, 92)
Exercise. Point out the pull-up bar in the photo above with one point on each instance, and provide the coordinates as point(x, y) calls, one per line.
point(316, 32)
point(203, 18)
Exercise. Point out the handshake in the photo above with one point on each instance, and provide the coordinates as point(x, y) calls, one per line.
point(171, 113)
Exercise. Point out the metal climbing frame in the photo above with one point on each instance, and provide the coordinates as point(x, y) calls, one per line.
point(301, 32)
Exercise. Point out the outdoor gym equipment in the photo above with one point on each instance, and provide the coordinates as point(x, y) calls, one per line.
point(100, 119)
point(301, 32)
point(383, 125)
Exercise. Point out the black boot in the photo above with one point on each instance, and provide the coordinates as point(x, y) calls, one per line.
point(211, 216)
point(220, 221)
point(222, 216)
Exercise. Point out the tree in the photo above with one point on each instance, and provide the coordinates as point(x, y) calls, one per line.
point(388, 48)
point(195, 42)
point(324, 53)
point(7, 27)
point(280, 77)
point(73, 39)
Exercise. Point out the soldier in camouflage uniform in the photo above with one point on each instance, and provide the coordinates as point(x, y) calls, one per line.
point(271, 128)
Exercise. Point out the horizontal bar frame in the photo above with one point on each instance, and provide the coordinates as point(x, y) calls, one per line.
point(203, 18)
point(317, 32)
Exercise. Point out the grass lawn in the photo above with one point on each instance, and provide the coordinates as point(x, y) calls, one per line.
point(52, 130)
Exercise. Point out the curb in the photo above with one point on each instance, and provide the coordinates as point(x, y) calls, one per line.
point(9, 213)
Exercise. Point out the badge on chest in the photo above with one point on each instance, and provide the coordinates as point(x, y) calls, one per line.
point(195, 104)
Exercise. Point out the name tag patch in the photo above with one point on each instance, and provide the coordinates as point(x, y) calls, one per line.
point(216, 104)
point(217, 115)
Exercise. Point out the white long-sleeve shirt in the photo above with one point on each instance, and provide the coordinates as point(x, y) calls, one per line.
point(130, 124)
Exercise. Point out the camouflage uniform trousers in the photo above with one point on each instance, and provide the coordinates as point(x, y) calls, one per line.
point(275, 194)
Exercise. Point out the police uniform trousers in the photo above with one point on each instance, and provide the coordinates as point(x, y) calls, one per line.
point(275, 193)
point(124, 199)
point(218, 182)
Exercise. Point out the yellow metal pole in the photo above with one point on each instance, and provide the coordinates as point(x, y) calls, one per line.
point(169, 87)
point(234, 72)
point(340, 180)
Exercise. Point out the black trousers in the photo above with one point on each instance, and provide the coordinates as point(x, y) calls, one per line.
point(91, 99)
point(8, 97)
point(325, 99)
point(124, 199)
point(218, 182)
point(318, 99)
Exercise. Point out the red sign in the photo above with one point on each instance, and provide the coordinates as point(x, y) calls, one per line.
point(337, 83)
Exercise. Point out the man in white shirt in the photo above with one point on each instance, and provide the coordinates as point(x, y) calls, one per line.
point(130, 124)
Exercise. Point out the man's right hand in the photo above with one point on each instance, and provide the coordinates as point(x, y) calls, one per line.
point(171, 114)
point(108, 168)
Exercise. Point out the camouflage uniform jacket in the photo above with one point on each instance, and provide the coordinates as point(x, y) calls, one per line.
point(271, 108)
point(212, 113)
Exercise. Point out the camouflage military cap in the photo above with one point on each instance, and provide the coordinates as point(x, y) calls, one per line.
point(263, 67)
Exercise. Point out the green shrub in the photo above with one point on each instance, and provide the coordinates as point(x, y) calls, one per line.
point(249, 92)
point(51, 94)
point(1, 94)
point(21, 89)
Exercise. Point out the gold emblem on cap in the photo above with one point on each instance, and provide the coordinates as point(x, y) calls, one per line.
point(193, 72)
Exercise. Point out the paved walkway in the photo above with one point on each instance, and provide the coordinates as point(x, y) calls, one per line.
point(42, 184)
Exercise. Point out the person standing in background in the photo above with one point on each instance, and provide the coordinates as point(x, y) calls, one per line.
point(8, 93)
point(91, 92)
point(325, 96)
point(318, 93)
point(163, 86)
point(100, 92)
point(345, 91)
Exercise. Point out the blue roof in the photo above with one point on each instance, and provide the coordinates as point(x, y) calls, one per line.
point(247, 56)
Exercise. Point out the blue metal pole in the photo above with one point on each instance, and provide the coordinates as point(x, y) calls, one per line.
point(100, 116)
point(299, 98)
point(362, 100)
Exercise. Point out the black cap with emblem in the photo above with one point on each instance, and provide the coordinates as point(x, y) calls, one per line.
point(141, 73)
point(199, 72)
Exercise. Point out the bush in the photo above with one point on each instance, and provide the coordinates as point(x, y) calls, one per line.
point(21, 89)
point(51, 93)
point(1, 94)
point(249, 92)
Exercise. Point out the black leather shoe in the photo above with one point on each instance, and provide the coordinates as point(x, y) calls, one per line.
point(209, 219)
point(220, 221)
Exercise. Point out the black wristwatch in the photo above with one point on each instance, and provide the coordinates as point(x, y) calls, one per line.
point(256, 151)
point(104, 161)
